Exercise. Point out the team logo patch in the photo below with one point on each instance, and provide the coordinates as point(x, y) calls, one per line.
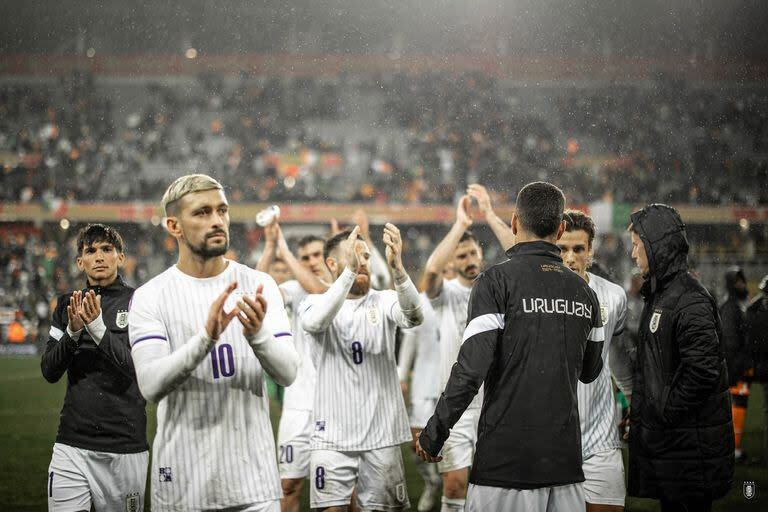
point(132, 502)
point(165, 475)
point(373, 315)
point(320, 426)
point(604, 314)
point(121, 320)
point(750, 490)
point(655, 319)
point(400, 491)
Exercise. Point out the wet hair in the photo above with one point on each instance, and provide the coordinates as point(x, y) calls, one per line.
point(468, 235)
point(576, 220)
point(306, 240)
point(186, 185)
point(94, 233)
point(332, 243)
point(540, 207)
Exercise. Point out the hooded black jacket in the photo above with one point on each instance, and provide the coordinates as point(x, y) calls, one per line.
point(681, 437)
point(533, 329)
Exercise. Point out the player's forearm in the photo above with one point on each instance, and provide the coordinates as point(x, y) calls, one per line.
point(117, 349)
point(306, 279)
point(407, 355)
point(277, 356)
point(432, 282)
point(593, 361)
point(503, 232)
point(409, 314)
point(620, 363)
point(267, 257)
point(159, 372)
point(319, 316)
point(57, 357)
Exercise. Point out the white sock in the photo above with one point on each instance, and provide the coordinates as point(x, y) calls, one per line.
point(452, 504)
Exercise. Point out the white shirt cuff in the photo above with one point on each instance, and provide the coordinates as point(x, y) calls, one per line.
point(97, 329)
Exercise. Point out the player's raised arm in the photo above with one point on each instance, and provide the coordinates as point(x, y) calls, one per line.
point(309, 281)
point(345, 260)
point(112, 344)
point(278, 357)
point(432, 280)
point(501, 229)
point(66, 327)
point(158, 370)
point(409, 313)
point(270, 247)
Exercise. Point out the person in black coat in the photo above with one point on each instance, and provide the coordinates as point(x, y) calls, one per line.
point(757, 339)
point(681, 446)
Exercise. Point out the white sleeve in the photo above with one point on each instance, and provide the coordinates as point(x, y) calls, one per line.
point(619, 355)
point(407, 353)
point(406, 312)
point(158, 370)
point(317, 315)
point(273, 344)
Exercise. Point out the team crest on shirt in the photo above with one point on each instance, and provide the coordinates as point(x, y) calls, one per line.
point(121, 319)
point(132, 502)
point(373, 315)
point(320, 426)
point(604, 314)
point(655, 319)
point(750, 489)
point(165, 475)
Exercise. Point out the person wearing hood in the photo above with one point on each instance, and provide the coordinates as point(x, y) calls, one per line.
point(757, 339)
point(681, 444)
point(732, 313)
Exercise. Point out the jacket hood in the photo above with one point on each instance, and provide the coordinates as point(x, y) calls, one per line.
point(663, 234)
point(732, 276)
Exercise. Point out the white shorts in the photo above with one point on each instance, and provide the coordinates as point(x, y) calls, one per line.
point(421, 410)
point(78, 478)
point(459, 448)
point(566, 498)
point(604, 473)
point(293, 435)
point(378, 474)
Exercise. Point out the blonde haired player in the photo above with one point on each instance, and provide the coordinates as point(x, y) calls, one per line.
point(214, 447)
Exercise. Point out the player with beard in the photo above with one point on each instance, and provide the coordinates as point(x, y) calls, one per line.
point(450, 300)
point(359, 413)
point(604, 488)
point(214, 447)
point(295, 429)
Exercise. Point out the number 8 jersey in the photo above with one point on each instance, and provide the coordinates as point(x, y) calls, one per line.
point(358, 403)
point(214, 446)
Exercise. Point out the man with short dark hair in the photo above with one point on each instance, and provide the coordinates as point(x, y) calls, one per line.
point(534, 329)
point(681, 437)
point(101, 452)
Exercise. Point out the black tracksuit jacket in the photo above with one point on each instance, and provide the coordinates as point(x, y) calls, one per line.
point(103, 408)
point(529, 323)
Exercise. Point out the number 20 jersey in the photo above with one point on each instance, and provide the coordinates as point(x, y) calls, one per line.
point(214, 446)
point(358, 402)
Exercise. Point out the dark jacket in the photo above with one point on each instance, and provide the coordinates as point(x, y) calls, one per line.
point(733, 318)
point(757, 335)
point(103, 408)
point(534, 328)
point(681, 437)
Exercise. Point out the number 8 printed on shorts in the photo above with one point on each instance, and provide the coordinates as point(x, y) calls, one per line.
point(320, 477)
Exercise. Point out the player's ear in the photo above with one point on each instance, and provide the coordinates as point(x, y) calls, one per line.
point(332, 264)
point(120, 259)
point(515, 222)
point(173, 226)
point(561, 229)
point(80, 265)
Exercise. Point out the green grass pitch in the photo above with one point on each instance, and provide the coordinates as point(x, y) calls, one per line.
point(29, 411)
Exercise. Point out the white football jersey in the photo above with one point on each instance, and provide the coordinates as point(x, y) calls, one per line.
point(425, 379)
point(301, 393)
point(597, 405)
point(214, 446)
point(451, 311)
point(358, 402)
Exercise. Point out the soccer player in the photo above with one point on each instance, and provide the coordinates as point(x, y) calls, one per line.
point(359, 413)
point(101, 454)
point(604, 488)
point(214, 447)
point(420, 349)
point(450, 299)
point(295, 429)
point(534, 329)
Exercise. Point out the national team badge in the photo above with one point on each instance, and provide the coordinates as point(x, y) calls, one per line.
point(320, 426)
point(132, 502)
point(121, 320)
point(400, 491)
point(604, 314)
point(750, 490)
point(165, 475)
point(373, 315)
point(655, 319)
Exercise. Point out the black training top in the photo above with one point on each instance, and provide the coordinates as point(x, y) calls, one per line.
point(529, 326)
point(103, 409)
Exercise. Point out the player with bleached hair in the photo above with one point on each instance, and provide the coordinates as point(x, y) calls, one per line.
point(214, 447)
point(359, 413)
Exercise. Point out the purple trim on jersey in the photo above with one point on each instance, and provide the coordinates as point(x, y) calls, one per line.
point(281, 334)
point(150, 337)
